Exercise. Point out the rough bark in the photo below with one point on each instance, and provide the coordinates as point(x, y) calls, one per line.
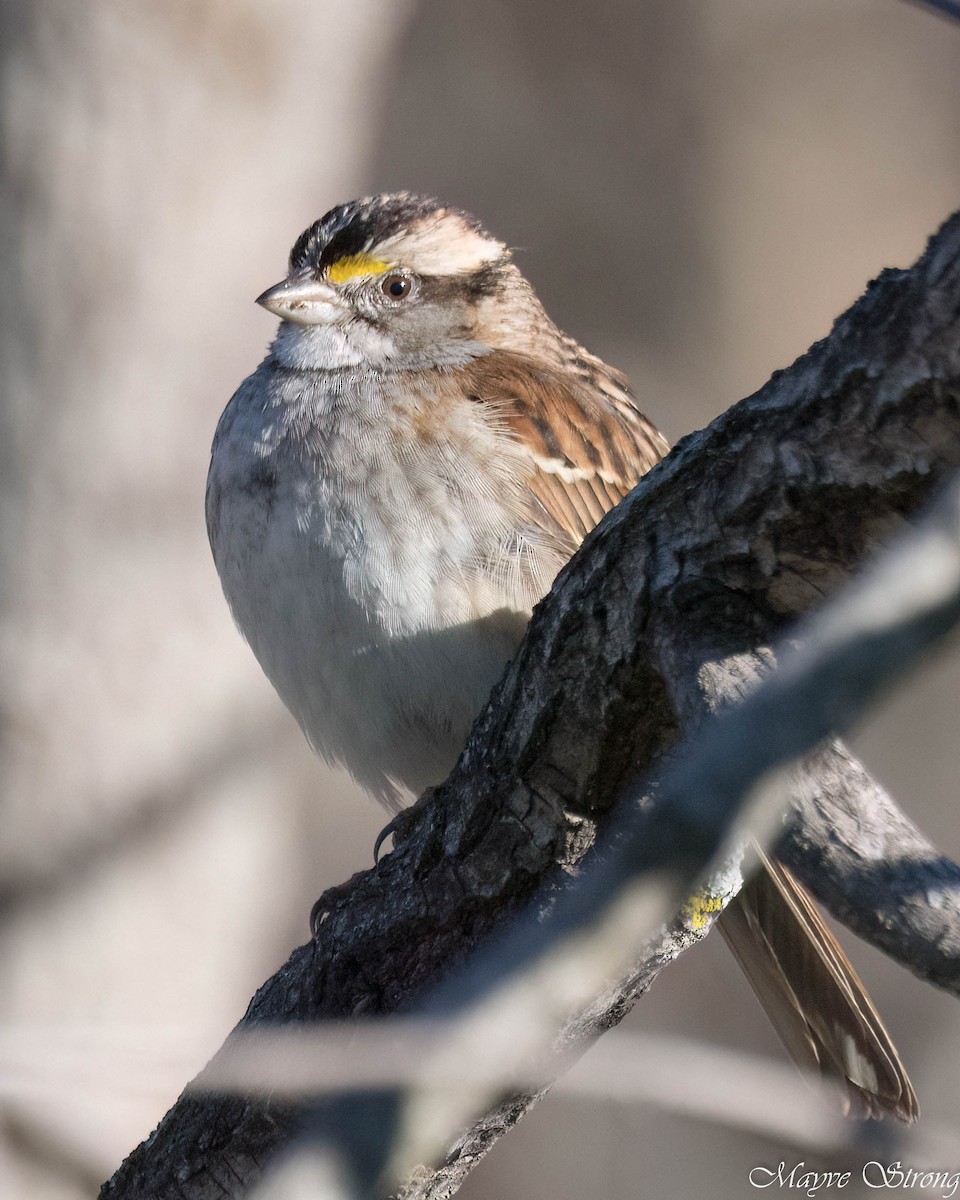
point(663, 615)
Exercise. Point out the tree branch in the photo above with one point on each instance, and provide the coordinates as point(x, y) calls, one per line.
point(514, 1003)
point(661, 618)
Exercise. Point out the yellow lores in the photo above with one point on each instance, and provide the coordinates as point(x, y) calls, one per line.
point(354, 265)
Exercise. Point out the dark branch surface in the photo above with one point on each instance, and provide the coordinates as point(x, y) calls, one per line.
point(876, 871)
point(661, 617)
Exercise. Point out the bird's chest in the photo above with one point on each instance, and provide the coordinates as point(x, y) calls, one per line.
point(391, 502)
point(378, 551)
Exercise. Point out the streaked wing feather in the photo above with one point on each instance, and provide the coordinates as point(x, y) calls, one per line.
point(587, 440)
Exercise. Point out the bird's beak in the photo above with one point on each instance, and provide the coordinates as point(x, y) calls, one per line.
point(303, 299)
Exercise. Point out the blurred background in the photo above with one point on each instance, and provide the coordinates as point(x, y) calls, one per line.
point(696, 188)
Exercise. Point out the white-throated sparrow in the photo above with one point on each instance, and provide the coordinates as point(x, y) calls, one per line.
point(394, 488)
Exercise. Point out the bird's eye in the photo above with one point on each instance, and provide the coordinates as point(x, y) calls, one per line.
point(395, 287)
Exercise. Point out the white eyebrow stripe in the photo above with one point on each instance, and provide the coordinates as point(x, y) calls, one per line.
point(434, 252)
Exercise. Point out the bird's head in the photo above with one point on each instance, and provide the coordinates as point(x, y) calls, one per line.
point(397, 281)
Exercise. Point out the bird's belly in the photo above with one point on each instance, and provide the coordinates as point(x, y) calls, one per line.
point(392, 701)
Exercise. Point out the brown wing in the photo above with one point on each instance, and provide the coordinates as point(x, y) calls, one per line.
point(587, 439)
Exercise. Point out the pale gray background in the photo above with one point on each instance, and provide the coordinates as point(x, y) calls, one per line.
point(696, 187)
